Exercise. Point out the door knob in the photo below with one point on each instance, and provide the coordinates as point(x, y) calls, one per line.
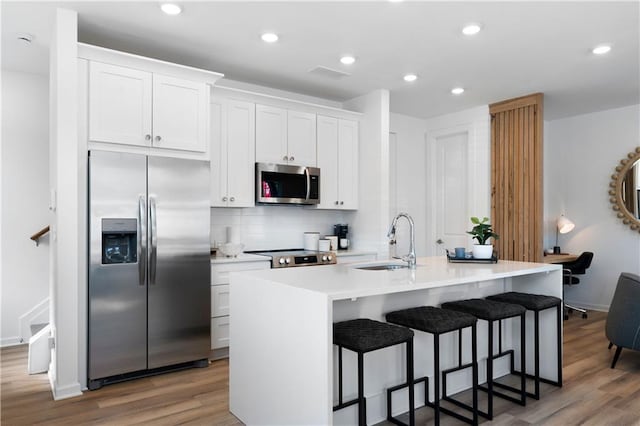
point(232, 199)
point(341, 203)
point(224, 198)
point(285, 158)
point(291, 158)
point(147, 137)
point(158, 138)
point(439, 241)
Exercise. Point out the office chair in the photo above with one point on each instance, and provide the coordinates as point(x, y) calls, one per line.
point(569, 272)
point(623, 319)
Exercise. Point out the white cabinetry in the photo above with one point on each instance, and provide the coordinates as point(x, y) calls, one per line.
point(220, 315)
point(338, 162)
point(355, 257)
point(145, 105)
point(232, 153)
point(285, 136)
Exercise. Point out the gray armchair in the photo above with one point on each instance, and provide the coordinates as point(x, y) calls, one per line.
point(623, 320)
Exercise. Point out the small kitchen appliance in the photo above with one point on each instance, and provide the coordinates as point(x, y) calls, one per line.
point(342, 232)
point(285, 184)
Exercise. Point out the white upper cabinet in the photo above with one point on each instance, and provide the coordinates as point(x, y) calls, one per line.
point(119, 105)
point(271, 135)
point(179, 114)
point(133, 107)
point(301, 138)
point(338, 162)
point(285, 136)
point(232, 153)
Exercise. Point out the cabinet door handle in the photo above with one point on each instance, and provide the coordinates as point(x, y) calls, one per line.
point(147, 137)
point(291, 158)
point(224, 198)
point(285, 158)
point(232, 199)
point(341, 203)
point(337, 202)
point(158, 138)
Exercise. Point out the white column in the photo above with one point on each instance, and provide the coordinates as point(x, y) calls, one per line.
point(66, 247)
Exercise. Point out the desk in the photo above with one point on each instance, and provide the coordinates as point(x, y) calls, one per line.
point(559, 258)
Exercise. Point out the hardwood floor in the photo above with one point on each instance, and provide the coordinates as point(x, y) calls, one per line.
point(593, 393)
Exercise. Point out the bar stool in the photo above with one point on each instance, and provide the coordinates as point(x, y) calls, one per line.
point(438, 321)
point(537, 303)
point(366, 335)
point(491, 311)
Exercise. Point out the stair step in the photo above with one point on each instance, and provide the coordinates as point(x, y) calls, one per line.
point(37, 327)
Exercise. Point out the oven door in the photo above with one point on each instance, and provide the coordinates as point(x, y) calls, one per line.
point(283, 184)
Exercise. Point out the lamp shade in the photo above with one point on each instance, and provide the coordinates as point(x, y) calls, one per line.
point(565, 225)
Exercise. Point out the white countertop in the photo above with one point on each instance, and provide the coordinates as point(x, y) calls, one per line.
point(341, 282)
point(242, 257)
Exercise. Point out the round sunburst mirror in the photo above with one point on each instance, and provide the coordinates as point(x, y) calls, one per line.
point(624, 190)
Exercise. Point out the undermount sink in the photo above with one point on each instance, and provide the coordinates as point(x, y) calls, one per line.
point(384, 267)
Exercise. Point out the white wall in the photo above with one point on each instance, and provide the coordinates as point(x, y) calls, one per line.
point(276, 227)
point(372, 216)
point(25, 197)
point(408, 170)
point(580, 154)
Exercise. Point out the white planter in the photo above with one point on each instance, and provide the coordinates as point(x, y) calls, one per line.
point(482, 251)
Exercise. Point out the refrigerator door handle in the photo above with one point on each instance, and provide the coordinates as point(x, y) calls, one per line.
point(142, 241)
point(153, 241)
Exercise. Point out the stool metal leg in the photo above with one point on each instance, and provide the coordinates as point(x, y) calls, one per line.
point(536, 355)
point(474, 373)
point(339, 375)
point(559, 344)
point(436, 379)
point(523, 362)
point(412, 414)
point(362, 407)
point(490, 373)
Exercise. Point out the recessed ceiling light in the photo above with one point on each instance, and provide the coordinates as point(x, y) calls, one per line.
point(601, 50)
point(471, 29)
point(171, 8)
point(410, 77)
point(270, 37)
point(347, 60)
point(457, 90)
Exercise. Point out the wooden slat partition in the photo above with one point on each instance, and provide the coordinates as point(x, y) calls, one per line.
point(516, 177)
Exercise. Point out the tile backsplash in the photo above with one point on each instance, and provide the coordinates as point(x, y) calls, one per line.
point(275, 227)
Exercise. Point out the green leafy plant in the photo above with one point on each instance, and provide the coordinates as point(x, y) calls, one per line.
point(482, 230)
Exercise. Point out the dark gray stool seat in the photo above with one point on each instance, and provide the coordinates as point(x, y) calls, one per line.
point(537, 303)
point(487, 310)
point(431, 320)
point(365, 335)
point(532, 302)
point(493, 311)
point(438, 321)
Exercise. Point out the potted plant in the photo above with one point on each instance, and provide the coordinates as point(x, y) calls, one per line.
point(482, 232)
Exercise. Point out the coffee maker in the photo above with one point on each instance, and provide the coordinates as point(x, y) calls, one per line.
point(342, 232)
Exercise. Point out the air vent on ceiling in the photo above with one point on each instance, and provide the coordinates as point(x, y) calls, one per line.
point(328, 72)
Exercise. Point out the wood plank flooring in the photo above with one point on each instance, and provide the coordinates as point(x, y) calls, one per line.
point(593, 394)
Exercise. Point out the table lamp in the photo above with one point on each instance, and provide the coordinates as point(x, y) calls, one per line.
point(563, 225)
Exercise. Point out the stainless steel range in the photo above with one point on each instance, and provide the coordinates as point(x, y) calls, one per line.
point(293, 258)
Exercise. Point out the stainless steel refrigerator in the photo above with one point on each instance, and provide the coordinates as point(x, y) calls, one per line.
point(149, 265)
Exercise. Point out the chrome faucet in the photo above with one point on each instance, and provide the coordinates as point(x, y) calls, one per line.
point(410, 258)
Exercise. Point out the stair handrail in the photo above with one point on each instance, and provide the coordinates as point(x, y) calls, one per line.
point(41, 233)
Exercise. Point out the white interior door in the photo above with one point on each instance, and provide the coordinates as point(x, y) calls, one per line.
point(451, 191)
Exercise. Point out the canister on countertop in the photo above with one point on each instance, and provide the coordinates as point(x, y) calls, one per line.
point(311, 240)
point(324, 245)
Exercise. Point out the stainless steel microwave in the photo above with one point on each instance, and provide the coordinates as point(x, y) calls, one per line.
point(284, 184)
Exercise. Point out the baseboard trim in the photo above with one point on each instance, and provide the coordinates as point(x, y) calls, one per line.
point(63, 392)
point(11, 341)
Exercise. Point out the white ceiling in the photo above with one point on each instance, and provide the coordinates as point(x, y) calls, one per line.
point(524, 47)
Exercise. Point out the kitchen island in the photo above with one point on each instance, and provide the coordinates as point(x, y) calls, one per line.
point(282, 356)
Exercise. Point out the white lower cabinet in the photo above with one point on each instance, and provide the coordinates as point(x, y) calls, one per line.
point(220, 315)
point(356, 257)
